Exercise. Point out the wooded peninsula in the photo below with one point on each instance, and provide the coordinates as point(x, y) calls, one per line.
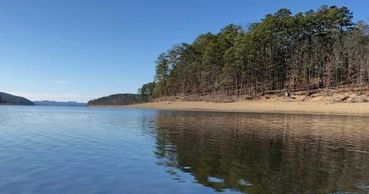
point(283, 53)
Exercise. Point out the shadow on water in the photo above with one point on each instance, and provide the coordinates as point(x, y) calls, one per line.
point(265, 153)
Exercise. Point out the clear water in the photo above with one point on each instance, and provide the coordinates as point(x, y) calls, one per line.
point(100, 151)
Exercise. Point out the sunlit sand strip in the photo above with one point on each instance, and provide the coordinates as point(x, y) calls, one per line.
point(361, 109)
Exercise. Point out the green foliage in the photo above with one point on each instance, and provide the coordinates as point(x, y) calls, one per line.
point(147, 91)
point(118, 99)
point(304, 51)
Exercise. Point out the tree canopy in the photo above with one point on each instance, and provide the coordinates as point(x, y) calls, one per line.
point(317, 49)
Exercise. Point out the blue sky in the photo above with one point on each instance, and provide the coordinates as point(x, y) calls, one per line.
point(83, 49)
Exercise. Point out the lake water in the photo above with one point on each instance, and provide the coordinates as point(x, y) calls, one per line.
point(56, 150)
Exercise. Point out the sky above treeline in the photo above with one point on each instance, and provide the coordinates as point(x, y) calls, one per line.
point(82, 49)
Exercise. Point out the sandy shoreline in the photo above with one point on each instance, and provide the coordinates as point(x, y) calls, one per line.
point(260, 106)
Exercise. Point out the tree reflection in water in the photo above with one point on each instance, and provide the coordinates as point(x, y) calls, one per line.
point(265, 153)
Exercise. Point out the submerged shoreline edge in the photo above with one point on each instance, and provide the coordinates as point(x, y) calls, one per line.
point(305, 108)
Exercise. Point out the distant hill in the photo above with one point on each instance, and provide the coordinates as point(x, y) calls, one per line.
point(117, 99)
point(9, 99)
point(54, 103)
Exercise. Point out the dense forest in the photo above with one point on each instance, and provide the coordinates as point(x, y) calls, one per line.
point(284, 52)
point(117, 99)
point(9, 99)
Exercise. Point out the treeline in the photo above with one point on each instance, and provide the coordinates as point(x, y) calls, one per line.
point(283, 52)
point(117, 99)
point(10, 99)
